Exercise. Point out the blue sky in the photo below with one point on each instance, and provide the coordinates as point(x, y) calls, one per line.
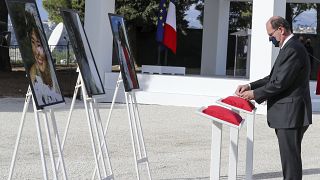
point(308, 18)
point(191, 16)
point(43, 12)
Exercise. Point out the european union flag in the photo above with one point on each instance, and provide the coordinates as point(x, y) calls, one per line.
point(161, 20)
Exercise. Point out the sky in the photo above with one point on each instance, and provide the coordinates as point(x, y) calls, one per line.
point(191, 16)
point(308, 18)
point(42, 11)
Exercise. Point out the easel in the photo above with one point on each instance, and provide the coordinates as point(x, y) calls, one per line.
point(138, 145)
point(93, 117)
point(45, 113)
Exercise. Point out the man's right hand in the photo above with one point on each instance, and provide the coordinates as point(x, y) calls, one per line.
point(241, 89)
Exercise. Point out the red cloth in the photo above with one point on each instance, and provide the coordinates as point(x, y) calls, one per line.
point(223, 114)
point(239, 103)
point(318, 82)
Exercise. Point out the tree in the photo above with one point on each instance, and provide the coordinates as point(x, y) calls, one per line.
point(141, 16)
point(298, 8)
point(200, 7)
point(241, 13)
point(54, 6)
point(144, 14)
point(4, 51)
point(239, 17)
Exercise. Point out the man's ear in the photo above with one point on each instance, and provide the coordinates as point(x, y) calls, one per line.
point(283, 31)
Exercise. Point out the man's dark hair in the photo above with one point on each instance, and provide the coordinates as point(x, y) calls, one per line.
point(280, 22)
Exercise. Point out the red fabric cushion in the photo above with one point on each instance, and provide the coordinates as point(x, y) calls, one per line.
point(223, 114)
point(239, 103)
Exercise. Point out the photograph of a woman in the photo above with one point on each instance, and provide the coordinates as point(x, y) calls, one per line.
point(35, 52)
point(124, 55)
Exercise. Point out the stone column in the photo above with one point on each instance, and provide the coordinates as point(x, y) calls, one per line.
point(215, 37)
point(263, 53)
point(99, 33)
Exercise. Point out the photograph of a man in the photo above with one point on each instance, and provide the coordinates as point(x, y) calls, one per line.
point(286, 90)
point(124, 55)
point(35, 52)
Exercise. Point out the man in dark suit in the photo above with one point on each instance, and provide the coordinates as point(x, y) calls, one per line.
point(287, 93)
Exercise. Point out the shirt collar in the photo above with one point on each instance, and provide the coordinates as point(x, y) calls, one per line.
point(286, 40)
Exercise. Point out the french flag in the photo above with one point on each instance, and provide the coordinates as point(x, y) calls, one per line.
point(170, 30)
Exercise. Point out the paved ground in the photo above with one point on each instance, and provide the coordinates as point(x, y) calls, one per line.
point(177, 142)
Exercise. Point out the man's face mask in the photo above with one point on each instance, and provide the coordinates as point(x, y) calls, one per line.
point(275, 42)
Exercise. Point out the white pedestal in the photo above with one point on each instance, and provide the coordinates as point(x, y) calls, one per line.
point(172, 70)
point(250, 118)
point(216, 141)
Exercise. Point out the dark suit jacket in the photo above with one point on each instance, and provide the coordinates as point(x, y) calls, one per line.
point(286, 89)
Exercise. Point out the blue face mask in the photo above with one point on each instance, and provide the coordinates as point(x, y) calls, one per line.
point(274, 41)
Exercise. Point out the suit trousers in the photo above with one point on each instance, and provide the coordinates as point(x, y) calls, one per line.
point(290, 151)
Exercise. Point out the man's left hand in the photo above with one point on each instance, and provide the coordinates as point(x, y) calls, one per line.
point(248, 95)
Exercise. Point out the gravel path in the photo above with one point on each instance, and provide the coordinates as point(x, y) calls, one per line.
point(177, 142)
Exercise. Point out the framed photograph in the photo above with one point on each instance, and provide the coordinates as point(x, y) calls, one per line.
point(35, 52)
point(121, 44)
point(83, 53)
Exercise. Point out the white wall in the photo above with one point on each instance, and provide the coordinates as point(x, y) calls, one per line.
point(99, 33)
point(191, 91)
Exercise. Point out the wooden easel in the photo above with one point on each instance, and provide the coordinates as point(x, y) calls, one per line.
point(137, 140)
point(95, 129)
point(45, 113)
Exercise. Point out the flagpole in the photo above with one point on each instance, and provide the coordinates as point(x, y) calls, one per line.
point(166, 57)
point(160, 27)
point(159, 50)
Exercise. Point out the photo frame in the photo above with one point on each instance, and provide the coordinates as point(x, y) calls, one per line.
point(83, 53)
point(123, 51)
point(35, 52)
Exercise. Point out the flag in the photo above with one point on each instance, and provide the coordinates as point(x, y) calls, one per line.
point(170, 30)
point(318, 82)
point(161, 20)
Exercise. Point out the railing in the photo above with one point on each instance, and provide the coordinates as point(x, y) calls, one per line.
point(62, 55)
point(15, 56)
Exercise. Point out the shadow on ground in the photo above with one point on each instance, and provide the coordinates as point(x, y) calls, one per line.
point(271, 175)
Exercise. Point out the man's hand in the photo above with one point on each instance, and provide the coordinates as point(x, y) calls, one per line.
point(248, 95)
point(241, 89)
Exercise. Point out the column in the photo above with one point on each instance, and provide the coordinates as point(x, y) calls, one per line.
point(263, 53)
point(215, 37)
point(99, 33)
